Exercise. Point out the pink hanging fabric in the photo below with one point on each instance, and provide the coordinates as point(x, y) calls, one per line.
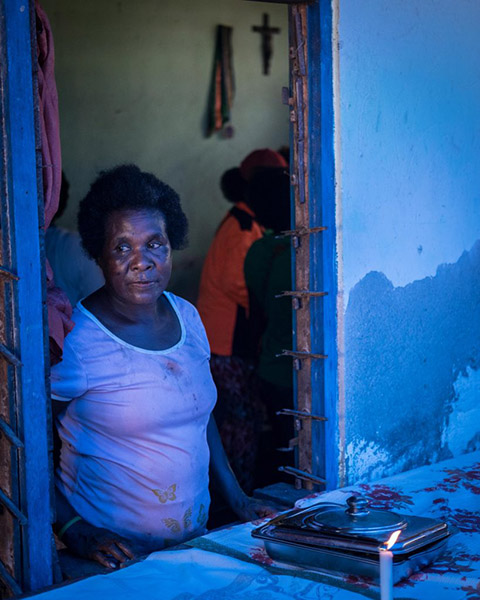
point(59, 309)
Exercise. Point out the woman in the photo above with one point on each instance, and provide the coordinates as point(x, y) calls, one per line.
point(133, 394)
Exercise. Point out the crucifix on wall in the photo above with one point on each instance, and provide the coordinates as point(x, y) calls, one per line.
point(267, 41)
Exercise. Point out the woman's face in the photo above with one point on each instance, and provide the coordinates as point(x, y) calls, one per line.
point(137, 258)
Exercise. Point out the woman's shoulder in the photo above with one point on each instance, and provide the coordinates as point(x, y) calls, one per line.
point(71, 368)
point(189, 315)
point(183, 305)
point(86, 329)
point(186, 309)
point(80, 318)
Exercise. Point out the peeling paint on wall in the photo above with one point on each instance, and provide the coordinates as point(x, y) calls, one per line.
point(462, 426)
point(412, 369)
point(366, 459)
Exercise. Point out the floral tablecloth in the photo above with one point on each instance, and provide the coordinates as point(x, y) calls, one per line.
point(231, 565)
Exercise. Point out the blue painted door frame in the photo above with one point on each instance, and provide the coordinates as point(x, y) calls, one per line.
point(26, 222)
point(314, 251)
point(323, 252)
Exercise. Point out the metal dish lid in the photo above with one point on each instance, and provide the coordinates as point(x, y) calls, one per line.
point(357, 519)
point(328, 526)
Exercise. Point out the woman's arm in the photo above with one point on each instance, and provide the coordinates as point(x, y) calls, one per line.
point(80, 537)
point(244, 507)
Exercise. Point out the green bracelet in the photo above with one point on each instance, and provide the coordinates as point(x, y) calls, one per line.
point(67, 525)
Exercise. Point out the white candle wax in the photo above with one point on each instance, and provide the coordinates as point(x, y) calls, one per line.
point(386, 575)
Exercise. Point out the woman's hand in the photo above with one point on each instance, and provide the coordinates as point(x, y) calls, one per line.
point(249, 509)
point(107, 548)
point(246, 508)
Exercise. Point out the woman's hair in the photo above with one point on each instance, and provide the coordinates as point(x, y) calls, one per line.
point(127, 188)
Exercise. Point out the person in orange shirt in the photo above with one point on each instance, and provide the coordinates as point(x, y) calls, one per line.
point(223, 307)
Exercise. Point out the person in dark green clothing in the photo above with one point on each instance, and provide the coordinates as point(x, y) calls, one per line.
point(268, 273)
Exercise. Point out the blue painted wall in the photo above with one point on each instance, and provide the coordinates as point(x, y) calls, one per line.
point(408, 219)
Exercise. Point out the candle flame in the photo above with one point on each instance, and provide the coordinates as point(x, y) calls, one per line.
point(392, 539)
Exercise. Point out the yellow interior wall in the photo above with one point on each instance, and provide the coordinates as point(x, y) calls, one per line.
point(133, 81)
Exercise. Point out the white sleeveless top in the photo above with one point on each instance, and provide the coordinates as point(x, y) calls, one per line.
point(134, 453)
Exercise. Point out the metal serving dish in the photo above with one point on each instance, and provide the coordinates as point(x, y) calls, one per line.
point(339, 540)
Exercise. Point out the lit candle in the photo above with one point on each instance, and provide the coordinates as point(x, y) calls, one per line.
point(386, 574)
point(386, 567)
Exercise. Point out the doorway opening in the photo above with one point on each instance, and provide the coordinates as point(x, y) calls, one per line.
point(310, 298)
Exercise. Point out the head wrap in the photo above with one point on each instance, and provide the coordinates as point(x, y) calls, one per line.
point(258, 159)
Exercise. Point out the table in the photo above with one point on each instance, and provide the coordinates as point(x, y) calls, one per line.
point(230, 565)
